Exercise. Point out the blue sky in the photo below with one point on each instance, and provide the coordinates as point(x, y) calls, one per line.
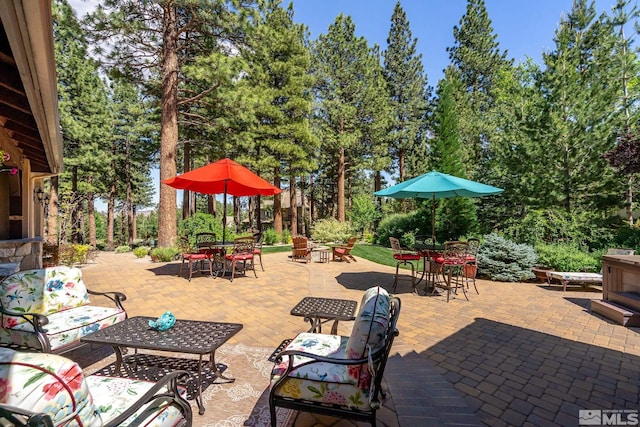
point(523, 27)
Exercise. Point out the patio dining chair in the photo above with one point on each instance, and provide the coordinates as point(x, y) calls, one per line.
point(241, 257)
point(451, 265)
point(195, 258)
point(470, 268)
point(257, 251)
point(403, 257)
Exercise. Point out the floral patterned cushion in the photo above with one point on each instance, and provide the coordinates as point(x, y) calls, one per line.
point(323, 382)
point(371, 322)
point(67, 327)
point(46, 383)
point(114, 395)
point(44, 291)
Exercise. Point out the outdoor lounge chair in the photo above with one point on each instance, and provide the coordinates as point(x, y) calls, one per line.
point(336, 375)
point(343, 252)
point(301, 249)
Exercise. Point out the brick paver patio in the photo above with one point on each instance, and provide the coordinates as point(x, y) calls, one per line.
point(516, 354)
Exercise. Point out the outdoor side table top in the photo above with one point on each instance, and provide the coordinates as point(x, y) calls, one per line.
point(186, 336)
point(322, 310)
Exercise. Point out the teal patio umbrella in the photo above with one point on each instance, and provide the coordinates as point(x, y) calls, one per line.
point(435, 185)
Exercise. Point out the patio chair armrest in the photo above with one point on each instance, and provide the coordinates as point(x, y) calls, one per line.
point(37, 320)
point(154, 394)
point(23, 418)
point(116, 297)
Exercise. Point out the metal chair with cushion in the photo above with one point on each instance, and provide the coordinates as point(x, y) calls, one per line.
point(451, 265)
point(470, 268)
point(257, 251)
point(241, 257)
point(194, 256)
point(403, 257)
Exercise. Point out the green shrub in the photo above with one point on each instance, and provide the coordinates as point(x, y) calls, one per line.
point(285, 237)
point(71, 254)
point(331, 230)
point(504, 260)
point(123, 249)
point(141, 251)
point(568, 257)
point(398, 225)
point(165, 254)
point(203, 223)
point(369, 237)
point(628, 237)
point(270, 236)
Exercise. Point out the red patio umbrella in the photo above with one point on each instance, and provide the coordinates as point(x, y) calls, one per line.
point(223, 177)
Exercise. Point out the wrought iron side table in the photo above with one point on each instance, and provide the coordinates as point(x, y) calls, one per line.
point(318, 311)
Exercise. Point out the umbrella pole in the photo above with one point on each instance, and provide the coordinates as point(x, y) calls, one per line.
point(224, 215)
point(433, 222)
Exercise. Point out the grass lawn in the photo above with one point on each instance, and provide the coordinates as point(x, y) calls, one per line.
point(373, 253)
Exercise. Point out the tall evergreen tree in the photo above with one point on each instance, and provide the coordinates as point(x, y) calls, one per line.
point(477, 59)
point(279, 76)
point(84, 118)
point(155, 39)
point(350, 97)
point(581, 85)
point(408, 91)
point(457, 216)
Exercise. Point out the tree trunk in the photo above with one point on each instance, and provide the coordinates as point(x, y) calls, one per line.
point(75, 207)
point(133, 224)
point(167, 227)
point(186, 167)
point(293, 206)
point(259, 213)
point(52, 220)
point(341, 172)
point(111, 206)
point(236, 214)
point(277, 204)
point(91, 213)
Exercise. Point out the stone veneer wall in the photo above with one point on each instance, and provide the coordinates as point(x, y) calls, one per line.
point(27, 252)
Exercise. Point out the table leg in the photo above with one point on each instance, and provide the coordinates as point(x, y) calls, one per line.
point(119, 360)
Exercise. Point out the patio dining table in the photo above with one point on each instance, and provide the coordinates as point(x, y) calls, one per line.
point(429, 268)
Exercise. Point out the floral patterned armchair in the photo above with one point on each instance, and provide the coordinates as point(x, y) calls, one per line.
point(337, 375)
point(47, 390)
point(48, 310)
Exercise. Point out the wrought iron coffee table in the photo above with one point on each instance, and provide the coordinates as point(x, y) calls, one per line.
point(317, 311)
point(186, 336)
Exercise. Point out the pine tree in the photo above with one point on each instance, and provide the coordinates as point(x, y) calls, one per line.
point(581, 88)
point(456, 217)
point(351, 102)
point(156, 40)
point(477, 59)
point(408, 92)
point(282, 144)
point(84, 118)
